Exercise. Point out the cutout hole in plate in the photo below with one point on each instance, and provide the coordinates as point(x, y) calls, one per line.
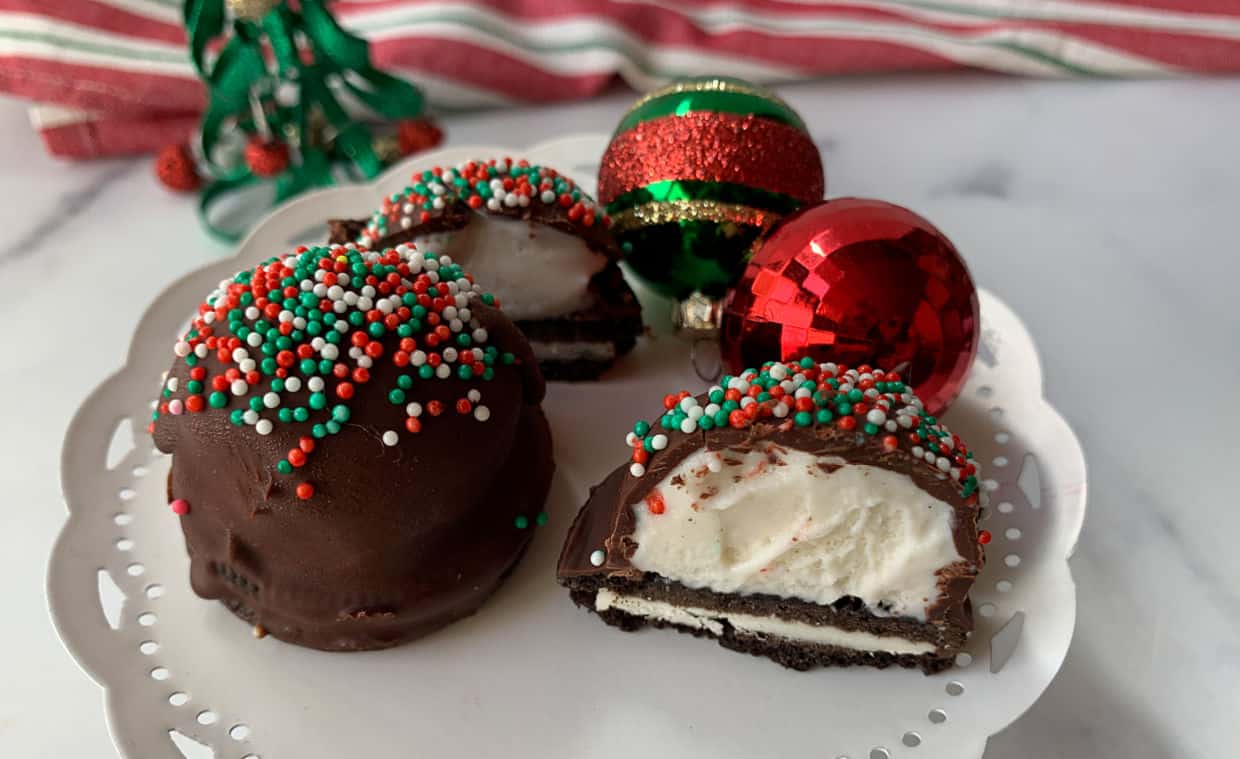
point(121, 443)
point(146, 619)
point(121, 519)
point(1012, 533)
point(207, 717)
point(937, 716)
point(239, 732)
point(135, 570)
point(1030, 481)
point(160, 673)
point(111, 599)
point(964, 659)
point(124, 544)
point(1002, 437)
point(1003, 586)
point(148, 647)
point(999, 461)
point(1003, 643)
point(139, 471)
point(125, 494)
point(1006, 507)
point(985, 391)
point(154, 591)
point(911, 739)
point(177, 698)
point(954, 688)
point(878, 752)
point(190, 748)
point(986, 610)
point(1012, 560)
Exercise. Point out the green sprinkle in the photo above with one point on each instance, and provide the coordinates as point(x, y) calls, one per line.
point(404, 381)
point(521, 522)
point(283, 467)
point(340, 412)
point(332, 426)
point(319, 431)
point(803, 419)
point(641, 428)
point(396, 397)
point(285, 414)
point(301, 414)
point(425, 371)
point(318, 401)
point(237, 417)
point(217, 400)
point(870, 429)
point(542, 518)
point(194, 386)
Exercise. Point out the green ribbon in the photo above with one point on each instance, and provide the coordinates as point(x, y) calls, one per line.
point(239, 74)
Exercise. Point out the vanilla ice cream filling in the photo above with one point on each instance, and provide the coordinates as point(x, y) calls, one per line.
point(714, 622)
point(790, 524)
point(537, 272)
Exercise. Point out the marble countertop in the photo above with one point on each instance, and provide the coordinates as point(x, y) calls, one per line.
point(1105, 213)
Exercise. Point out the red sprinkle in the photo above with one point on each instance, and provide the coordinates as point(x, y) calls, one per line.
point(655, 503)
point(305, 491)
point(983, 537)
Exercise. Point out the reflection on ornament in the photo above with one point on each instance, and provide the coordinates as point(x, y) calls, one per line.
point(857, 281)
point(696, 171)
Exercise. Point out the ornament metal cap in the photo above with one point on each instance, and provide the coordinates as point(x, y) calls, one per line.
point(697, 316)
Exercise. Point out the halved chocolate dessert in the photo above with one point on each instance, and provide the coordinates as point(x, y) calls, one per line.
point(541, 244)
point(808, 513)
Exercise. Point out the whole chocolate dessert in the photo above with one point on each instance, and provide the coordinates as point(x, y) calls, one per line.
point(512, 224)
point(808, 513)
point(359, 453)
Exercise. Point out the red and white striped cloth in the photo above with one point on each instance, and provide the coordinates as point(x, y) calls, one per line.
point(112, 76)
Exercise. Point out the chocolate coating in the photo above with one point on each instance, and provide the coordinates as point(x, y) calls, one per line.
point(397, 541)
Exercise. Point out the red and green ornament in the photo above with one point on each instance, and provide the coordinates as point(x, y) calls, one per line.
point(696, 171)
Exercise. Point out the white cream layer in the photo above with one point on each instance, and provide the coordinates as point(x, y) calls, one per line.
point(713, 621)
point(536, 272)
point(786, 523)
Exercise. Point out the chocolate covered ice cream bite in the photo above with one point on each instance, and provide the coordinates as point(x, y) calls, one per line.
point(358, 450)
point(542, 245)
point(810, 513)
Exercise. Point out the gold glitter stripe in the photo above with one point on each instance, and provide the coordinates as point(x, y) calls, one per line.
point(664, 212)
point(710, 85)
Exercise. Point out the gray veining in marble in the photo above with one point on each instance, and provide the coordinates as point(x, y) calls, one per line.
point(1107, 214)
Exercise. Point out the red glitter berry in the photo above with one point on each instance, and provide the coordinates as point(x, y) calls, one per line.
point(848, 422)
point(434, 408)
point(413, 425)
point(176, 169)
point(306, 443)
point(463, 406)
point(983, 537)
point(266, 159)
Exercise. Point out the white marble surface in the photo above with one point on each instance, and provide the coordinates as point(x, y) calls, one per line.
point(1105, 213)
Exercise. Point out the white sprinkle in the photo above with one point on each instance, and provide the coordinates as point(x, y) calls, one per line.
point(449, 312)
point(335, 292)
point(747, 401)
point(780, 410)
point(340, 307)
point(890, 425)
point(779, 372)
point(443, 371)
point(918, 451)
point(875, 417)
point(173, 384)
point(208, 317)
point(802, 392)
point(418, 358)
point(239, 387)
point(406, 222)
point(200, 350)
point(390, 438)
point(598, 556)
point(637, 470)
point(512, 199)
point(630, 439)
point(271, 400)
point(285, 316)
point(365, 362)
point(299, 322)
point(292, 384)
point(319, 290)
point(687, 403)
point(263, 427)
point(548, 197)
point(414, 409)
point(252, 313)
point(493, 204)
point(314, 384)
point(696, 412)
point(385, 306)
point(943, 463)
point(658, 442)
point(474, 396)
point(456, 325)
point(253, 339)
point(240, 354)
point(365, 304)
point(356, 352)
point(350, 298)
point(449, 354)
point(482, 413)
point(688, 426)
point(368, 291)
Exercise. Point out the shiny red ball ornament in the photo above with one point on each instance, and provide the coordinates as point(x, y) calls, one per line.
point(266, 158)
point(416, 135)
point(857, 281)
point(175, 168)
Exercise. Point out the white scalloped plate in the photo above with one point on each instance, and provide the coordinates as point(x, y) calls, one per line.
point(531, 675)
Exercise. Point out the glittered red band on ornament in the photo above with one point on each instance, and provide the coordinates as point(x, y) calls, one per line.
point(713, 147)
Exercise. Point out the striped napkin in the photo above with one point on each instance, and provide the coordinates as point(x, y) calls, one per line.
point(112, 76)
